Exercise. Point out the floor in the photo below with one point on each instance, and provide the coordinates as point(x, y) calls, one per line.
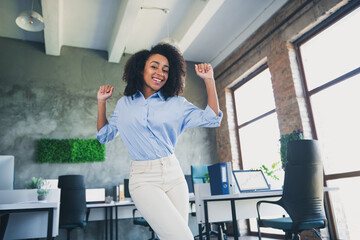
point(243, 238)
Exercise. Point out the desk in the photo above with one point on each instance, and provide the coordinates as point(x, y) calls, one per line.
point(234, 207)
point(220, 208)
point(29, 218)
point(246, 207)
point(48, 207)
point(108, 214)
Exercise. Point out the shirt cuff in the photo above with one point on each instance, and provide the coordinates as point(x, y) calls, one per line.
point(101, 134)
point(211, 116)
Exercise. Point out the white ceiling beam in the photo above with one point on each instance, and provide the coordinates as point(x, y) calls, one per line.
point(255, 24)
point(52, 15)
point(128, 11)
point(196, 19)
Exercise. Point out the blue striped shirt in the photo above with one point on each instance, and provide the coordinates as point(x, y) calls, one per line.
point(150, 127)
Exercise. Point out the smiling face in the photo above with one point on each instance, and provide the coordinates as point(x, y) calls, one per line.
point(156, 73)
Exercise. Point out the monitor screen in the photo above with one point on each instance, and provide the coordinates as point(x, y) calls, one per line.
point(6, 172)
point(95, 195)
point(251, 180)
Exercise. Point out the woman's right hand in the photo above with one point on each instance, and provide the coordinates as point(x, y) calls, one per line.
point(105, 92)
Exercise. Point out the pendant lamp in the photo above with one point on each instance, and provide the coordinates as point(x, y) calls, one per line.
point(30, 20)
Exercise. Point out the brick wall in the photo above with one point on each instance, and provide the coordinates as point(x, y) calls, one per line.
point(276, 49)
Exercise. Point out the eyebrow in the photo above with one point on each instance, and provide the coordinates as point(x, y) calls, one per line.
point(159, 63)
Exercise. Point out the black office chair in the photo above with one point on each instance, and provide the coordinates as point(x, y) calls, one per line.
point(302, 196)
point(73, 211)
point(199, 175)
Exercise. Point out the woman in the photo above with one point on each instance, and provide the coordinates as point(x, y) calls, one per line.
point(150, 118)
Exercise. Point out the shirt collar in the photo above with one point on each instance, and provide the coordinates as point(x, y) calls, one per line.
point(158, 93)
point(161, 96)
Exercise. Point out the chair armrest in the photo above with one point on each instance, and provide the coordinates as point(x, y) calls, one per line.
point(134, 213)
point(265, 201)
point(87, 214)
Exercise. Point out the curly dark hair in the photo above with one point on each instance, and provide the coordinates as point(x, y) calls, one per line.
point(135, 66)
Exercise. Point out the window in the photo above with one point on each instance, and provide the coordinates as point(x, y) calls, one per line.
point(257, 121)
point(329, 58)
point(258, 130)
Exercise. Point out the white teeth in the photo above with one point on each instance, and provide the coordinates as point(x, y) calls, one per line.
point(158, 80)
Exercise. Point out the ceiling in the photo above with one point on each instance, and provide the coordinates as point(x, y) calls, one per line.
point(204, 30)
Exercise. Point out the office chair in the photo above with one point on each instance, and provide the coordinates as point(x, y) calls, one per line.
point(73, 211)
point(199, 175)
point(142, 222)
point(302, 196)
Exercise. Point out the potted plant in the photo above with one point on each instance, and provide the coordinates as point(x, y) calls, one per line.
point(295, 135)
point(39, 184)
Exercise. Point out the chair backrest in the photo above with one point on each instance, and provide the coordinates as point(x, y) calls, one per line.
point(126, 188)
point(303, 184)
point(198, 173)
point(189, 182)
point(72, 200)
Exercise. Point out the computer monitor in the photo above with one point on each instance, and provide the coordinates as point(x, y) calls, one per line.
point(251, 180)
point(6, 172)
point(95, 195)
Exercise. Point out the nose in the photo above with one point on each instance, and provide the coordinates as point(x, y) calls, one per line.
point(160, 72)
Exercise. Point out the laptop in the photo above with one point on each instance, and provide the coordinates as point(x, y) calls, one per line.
point(251, 181)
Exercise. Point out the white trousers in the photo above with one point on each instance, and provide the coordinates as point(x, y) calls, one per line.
point(159, 191)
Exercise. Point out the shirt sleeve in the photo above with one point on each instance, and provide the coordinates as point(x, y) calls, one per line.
point(109, 131)
point(196, 117)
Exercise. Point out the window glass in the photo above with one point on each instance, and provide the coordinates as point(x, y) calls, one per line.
point(332, 52)
point(260, 145)
point(254, 98)
point(346, 205)
point(259, 140)
point(337, 117)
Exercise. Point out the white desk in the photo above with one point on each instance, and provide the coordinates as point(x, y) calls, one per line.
point(220, 208)
point(109, 212)
point(27, 218)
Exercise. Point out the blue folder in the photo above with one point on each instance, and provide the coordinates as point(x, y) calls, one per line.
point(219, 180)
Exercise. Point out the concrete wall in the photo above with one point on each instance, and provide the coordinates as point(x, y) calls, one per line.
point(55, 97)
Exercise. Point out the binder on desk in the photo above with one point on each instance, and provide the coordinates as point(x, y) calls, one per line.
point(119, 193)
point(219, 179)
point(231, 178)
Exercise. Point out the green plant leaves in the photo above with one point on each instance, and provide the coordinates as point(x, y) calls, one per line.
point(34, 183)
point(295, 135)
point(69, 150)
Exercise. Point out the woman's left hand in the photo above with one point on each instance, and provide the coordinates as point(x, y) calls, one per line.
point(204, 71)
